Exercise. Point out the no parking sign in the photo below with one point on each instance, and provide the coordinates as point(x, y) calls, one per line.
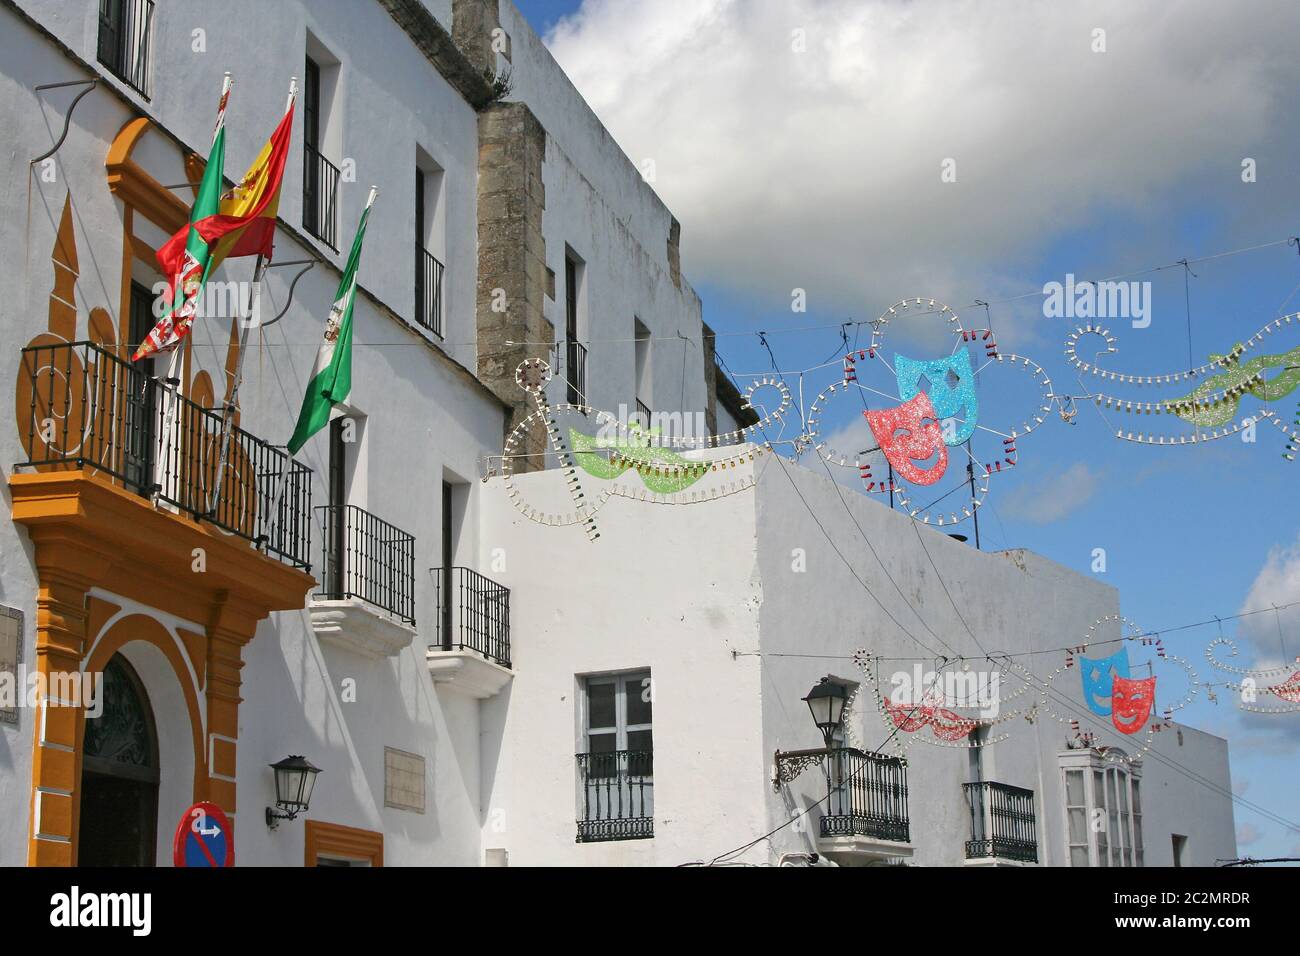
point(203, 838)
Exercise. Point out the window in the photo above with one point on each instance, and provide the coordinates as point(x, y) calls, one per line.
point(575, 355)
point(430, 232)
point(616, 765)
point(1180, 848)
point(641, 336)
point(123, 45)
point(320, 177)
point(11, 652)
point(1103, 808)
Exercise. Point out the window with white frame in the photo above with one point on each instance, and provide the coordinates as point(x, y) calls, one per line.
point(1103, 808)
point(616, 764)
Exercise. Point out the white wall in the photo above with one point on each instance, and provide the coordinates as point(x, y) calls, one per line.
point(424, 415)
point(647, 594)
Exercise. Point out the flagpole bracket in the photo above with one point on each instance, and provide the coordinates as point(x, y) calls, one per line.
point(308, 265)
point(67, 117)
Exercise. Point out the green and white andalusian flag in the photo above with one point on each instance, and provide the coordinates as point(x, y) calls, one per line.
point(331, 377)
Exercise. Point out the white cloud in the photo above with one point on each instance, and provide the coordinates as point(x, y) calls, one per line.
point(1247, 833)
point(1053, 498)
point(821, 169)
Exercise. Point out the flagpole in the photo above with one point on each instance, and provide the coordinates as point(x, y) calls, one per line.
point(288, 458)
point(228, 409)
point(171, 384)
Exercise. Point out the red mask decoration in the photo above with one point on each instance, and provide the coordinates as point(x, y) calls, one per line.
point(905, 440)
point(1131, 702)
point(1289, 689)
point(944, 724)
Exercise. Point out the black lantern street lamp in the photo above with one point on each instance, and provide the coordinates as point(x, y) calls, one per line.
point(295, 778)
point(826, 702)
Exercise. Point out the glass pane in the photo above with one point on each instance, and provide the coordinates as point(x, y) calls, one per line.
point(1074, 788)
point(1137, 834)
point(1078, 825)
point(1123, 794)
point(640, 740)
point(1137, 796)
point(1110, 790)
point(1078, 856)
point(638, 699)
point(605, 743)
point(600, 705)
point(1140, 861)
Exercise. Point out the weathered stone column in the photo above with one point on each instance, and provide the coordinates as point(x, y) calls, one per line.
point(511, 258)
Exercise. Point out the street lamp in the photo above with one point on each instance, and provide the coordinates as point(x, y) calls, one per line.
point(826, 703)
point(295, 778)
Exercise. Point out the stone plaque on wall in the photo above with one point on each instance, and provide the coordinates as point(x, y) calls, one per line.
point(11, 652)
point(403, 780)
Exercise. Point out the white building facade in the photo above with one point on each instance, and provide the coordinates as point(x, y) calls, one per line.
point(395, 620)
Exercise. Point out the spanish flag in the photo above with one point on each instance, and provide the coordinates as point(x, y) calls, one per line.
point(243, 225)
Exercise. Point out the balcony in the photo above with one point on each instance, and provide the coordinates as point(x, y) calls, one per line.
point(472, 653)
point(320, 190)
point(123, 45)
point(575, 371)
point(866, 812)
point(615, 796)
point(428, 291)
point(367, 600)
point(82, 407)
point(1003, 826)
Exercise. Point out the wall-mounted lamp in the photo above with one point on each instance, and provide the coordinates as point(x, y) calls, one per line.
point(295, 778)
point(826, 702)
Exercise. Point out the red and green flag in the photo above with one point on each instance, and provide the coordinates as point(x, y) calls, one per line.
point(239, 223)
point(187, 263)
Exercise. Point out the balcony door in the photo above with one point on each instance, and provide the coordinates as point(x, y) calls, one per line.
point(141, 424)
point(616, 771)
point(335, 523)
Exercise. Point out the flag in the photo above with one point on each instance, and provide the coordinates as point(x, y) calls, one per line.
point(242, 224)
point(331, 377)
point(188, 263)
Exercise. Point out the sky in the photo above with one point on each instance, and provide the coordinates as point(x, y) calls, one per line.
point(843, 155)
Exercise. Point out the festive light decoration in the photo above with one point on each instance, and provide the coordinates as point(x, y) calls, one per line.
point(948, 729)
point(1212, 404)
point(1132, 703)
point(665, 477)
point(904, 433)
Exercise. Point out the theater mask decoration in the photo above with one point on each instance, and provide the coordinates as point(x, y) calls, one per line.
point(942, 390)
point(909, 435)
point(1131, 702)
point(951, 391)
point(1096, 675)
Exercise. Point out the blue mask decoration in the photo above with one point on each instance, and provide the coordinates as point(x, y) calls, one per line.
point(951, 399)
point(1097, 673)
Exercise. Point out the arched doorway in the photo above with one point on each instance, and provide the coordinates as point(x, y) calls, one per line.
point(119, 775)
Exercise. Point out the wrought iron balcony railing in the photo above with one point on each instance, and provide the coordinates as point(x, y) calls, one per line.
point(428, 290)
point(1002, 822)
point(473, 614)
point(81, 406)
point(644, 415)
point(320, 191)
point(123, 47)
point(365, 557)
point(868, 795)
point(615, 796)
point(575, 371)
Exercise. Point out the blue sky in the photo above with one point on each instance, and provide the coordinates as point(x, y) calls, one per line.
point(1143, 178)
